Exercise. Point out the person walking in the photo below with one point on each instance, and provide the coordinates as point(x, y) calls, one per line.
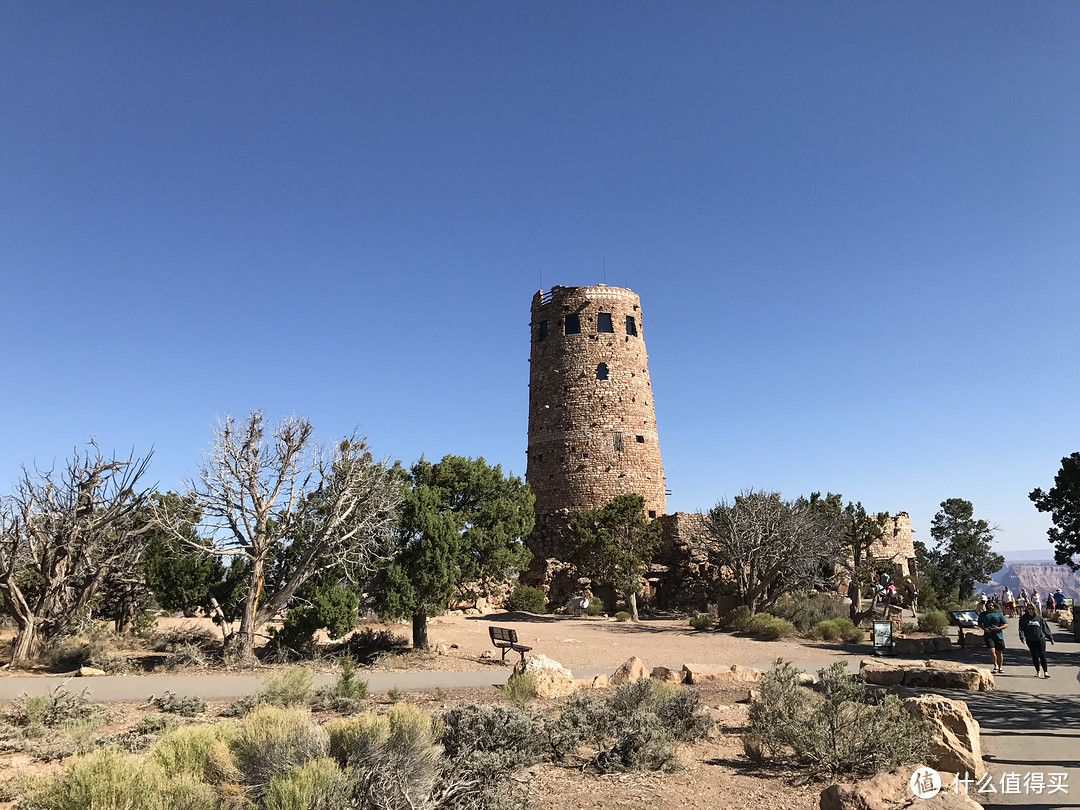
point(993, 624)
point(1036, 600)
point(1007, 602)
point(912, 594)
point(1035, 632)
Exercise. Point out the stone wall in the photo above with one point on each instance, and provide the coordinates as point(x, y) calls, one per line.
point(592, 426)
point(897, 544)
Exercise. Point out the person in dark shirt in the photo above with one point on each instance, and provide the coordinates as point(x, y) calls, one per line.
point(993, 624)
point(1035, 632)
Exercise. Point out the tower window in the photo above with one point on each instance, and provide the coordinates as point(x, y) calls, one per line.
point(652, 514)
point(603, 322)
point(601, 371)
point(631, 326)
point(543, 330)
point(573, 325)
point(617, 437)
point(639, 439)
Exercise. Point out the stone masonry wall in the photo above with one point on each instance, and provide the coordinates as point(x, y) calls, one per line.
point(592, 426)
point(897, 544)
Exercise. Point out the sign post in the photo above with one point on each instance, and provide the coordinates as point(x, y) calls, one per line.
point(883, 638)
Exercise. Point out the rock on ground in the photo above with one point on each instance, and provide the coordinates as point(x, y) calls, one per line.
point(630, 671)
point(698, 674)
point(955, 745)
point(928, 675)
point(891, 791)
point(668, 675)
point(552, 678)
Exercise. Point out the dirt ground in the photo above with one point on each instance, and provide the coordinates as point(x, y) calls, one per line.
point(714, 774)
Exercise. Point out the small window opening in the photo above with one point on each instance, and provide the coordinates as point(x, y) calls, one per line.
point(617, 437)
point(603, 322)
point(601, 371)
point(573, 325)
point(639, 439)
point(652, 514)
point(631, 326)
point(543, 330)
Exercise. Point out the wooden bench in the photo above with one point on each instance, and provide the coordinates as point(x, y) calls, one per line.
point(505, 638)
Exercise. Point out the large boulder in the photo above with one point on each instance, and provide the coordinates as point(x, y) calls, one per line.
point(668, 675)
point(631, 670)
point(552, 678)
point(955, 744)
point(928, 675)
point(592, 682)
point(892, 791)
point(699, 674)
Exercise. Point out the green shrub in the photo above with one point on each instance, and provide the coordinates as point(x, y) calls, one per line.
point(57, 708)
point(519, 689)
point(596, 606)
point(772, 627)
point(636, 728)
point(837, 732)
point(317, 785)
point(400, 770)
point(507, 737)
point(271, 740)
point(199, 751)
point(241, 706)
point(367, 646)
point(738, 619)
point(290, 687)
point(185, 707)
point(394, 695)
point(936, 621)
point(825, 631)
point(623, 616)
point(346, 694)
point(331, 606)
point(527, 599)
point(109, 780)
point(807, 610)
point(156, 724)
point(360, 731)
point(702, 621)
point(849, 631)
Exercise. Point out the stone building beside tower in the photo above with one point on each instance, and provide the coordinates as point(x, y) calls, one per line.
point(593, 436)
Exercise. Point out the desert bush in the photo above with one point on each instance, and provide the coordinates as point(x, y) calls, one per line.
point(317, 785)
point(184, 706)
point(367, 646)
point(636, 728)
point(271, 740)
point(773, 627)
point(495, 739)
point(702, 621)
point(825, 631)
point(56, 708)
point(394, 695)
point(623, 616)
point(806, 610)
point(198, 751)
point(936, 621)
point(519, 689)
point(151, 724)
point(242, 706)
point(291, 686)
point(738, 619)
point(596, 606)
point(82, 732)
point(850, 633)
point(527, 599)
point(332, 606)
point(836, 732)
point(109, 780)
point(401, 770)
point(185, 654)
point(360, 731)
point(348, 692)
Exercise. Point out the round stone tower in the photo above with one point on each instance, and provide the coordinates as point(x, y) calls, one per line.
point(592, 428)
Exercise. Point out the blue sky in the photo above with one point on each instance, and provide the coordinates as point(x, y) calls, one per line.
point(853, 228)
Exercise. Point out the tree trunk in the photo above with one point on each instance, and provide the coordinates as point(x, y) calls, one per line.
point(419, 630)
point(25, 645)
point(244, 640)
point(631, 602)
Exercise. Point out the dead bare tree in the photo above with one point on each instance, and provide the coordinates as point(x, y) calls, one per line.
point(263, 488)
point(61, 535)
point(770, 546)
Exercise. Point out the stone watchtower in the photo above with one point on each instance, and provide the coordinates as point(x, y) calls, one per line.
point(592, 429)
